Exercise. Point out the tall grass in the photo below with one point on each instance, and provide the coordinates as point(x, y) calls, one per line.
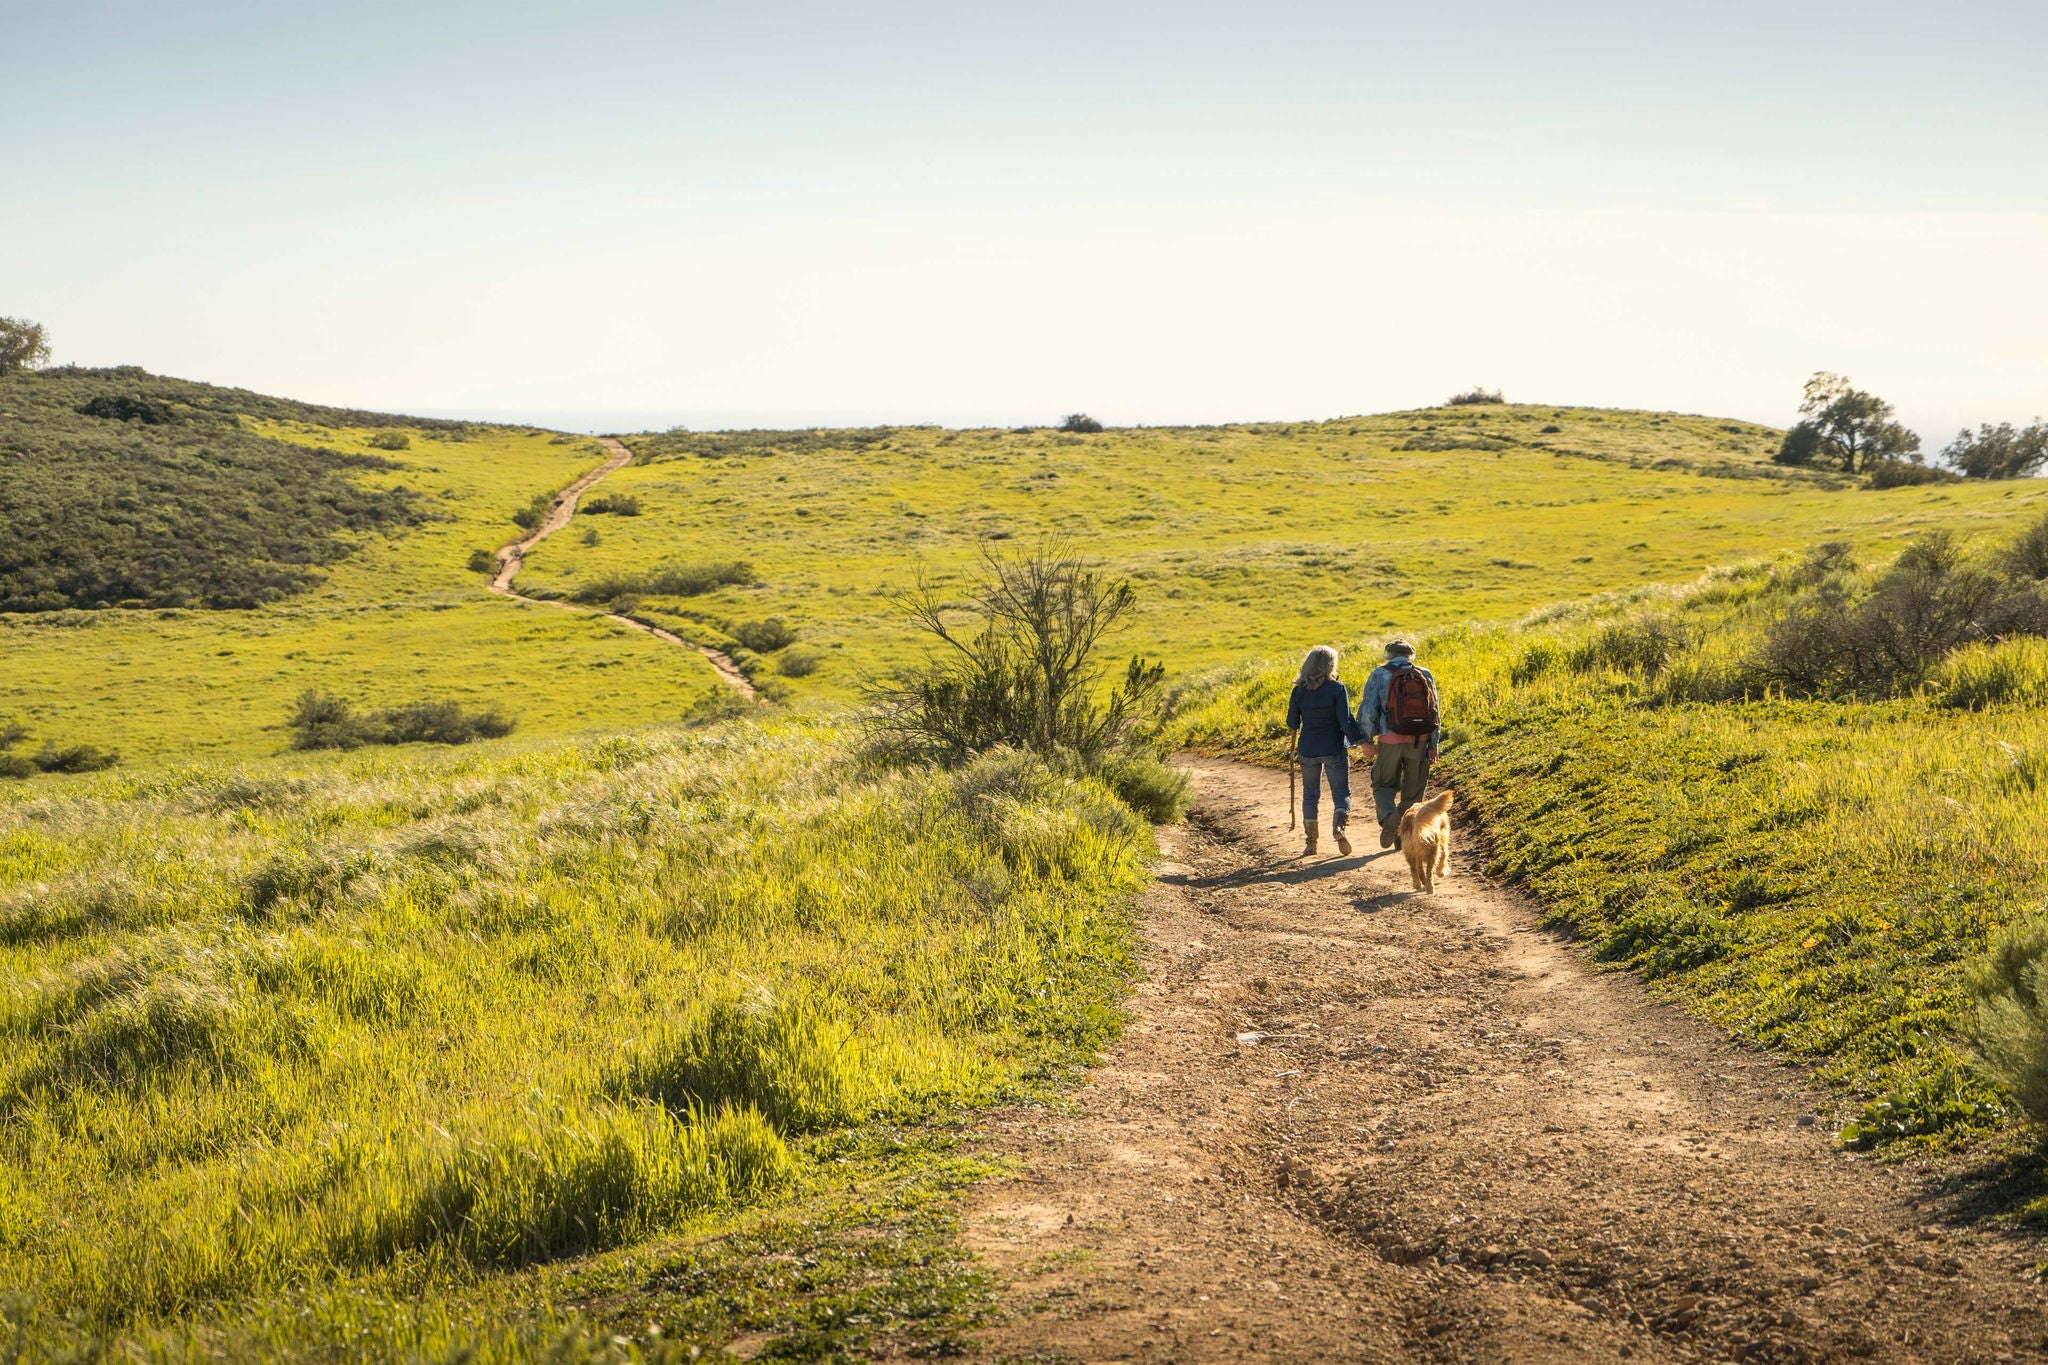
point(434, 1016)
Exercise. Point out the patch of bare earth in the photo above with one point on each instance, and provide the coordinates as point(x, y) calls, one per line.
point(1350, 1122)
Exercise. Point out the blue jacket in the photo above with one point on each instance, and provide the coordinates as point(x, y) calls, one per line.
point(1372, 707)
point(1324, 715)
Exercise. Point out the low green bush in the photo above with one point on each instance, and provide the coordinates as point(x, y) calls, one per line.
point(2007, 1027)
point(611, 504)
point(1160, 793)
point(800, 662)
point(390, 440)
point(763, 637)
point(676, 580)
point(322, 721)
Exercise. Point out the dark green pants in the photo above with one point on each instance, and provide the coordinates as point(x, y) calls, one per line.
point(1399, 774)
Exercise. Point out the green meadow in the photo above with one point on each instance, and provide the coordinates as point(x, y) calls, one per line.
point(402, 617)
point(426, 1052)
point(1241, 539)
point(628, 1034)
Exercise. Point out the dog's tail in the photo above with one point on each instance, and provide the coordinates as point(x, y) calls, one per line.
point(1432, 808)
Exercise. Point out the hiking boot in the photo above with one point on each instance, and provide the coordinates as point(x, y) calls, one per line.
point(1390, 835)
point(1308, 828)
point(1343, 844)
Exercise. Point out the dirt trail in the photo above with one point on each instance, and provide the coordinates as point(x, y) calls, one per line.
point(512, 558)
point(1354, 1123)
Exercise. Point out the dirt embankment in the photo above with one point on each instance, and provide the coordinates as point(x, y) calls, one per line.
point(1354, 1123)
point(512, 558)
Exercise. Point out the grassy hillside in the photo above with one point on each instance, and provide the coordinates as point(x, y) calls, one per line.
point(416, 1052)
point(117, 487)
point(1240, 538)
point(400, 616)
point(1811, 858)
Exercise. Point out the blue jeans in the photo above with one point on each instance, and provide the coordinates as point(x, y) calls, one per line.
point(1337, 767)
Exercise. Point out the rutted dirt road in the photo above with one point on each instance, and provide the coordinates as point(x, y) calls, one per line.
point(1353, 1123)
point(512, 558)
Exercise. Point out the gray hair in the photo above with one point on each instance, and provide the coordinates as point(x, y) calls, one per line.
point(1319, 667)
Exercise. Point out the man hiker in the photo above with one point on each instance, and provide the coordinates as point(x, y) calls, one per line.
point(1398, 715)
point(1319, 717)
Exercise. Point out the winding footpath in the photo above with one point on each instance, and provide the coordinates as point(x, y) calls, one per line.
point(512, 558)
point(1350, 1123)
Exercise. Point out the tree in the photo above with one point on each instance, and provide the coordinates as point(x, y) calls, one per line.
point(1080, 421)
point(2000, 452)
point(23, 345)
point(1845, 428)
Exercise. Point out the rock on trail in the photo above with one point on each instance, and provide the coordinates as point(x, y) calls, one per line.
point(1349, 1122)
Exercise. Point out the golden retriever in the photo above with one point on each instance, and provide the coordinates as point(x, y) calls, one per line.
point(1426, 840)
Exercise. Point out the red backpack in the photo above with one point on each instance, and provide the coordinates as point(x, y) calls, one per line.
point(1411, 703)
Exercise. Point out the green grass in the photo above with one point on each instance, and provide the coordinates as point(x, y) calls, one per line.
point(1815, 877)
point(393, 1043)
point(402, 619)
point(1241, 539)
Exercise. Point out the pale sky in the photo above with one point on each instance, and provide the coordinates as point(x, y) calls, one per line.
point(784, 214)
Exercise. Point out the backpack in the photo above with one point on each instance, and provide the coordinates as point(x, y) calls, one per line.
point(1411, 703)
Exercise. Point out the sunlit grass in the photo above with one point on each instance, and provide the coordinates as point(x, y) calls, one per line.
point(405, 1022)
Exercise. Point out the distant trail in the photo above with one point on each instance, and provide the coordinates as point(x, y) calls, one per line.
point(512, 558)
point(1353, 1123)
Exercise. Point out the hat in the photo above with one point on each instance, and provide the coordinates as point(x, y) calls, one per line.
point(1400, 645)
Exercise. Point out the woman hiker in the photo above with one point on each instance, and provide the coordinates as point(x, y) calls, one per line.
point(1319, 715)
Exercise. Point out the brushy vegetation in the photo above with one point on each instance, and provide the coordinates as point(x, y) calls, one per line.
point(349, 1055)
point(120, 488)
point(51, 757)
point(675, 580)
point(1815, 873)
point(1023, 671)
point(1474, 397)
point(322, 721)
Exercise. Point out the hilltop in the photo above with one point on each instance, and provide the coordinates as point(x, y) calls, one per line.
point(783, 549)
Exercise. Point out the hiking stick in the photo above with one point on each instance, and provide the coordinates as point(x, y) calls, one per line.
point(1290, 798)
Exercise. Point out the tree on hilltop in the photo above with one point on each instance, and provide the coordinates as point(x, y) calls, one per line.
point(1080, 421)
point(2000, 452)
point(23, 345)
point(1845, 428)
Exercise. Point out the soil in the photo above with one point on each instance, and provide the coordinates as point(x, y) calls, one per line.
point(513, 557)
point(1351, 1122)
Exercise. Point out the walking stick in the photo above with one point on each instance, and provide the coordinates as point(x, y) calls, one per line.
point(1290, 797)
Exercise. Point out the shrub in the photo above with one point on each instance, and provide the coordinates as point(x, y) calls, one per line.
point(763, 637)
point(121, 407)
point(17, 765)
point(74, 758)
point(1646, 645)
point(2026, 558)
point(1474, 397)
point(1894, 473)
point(530, 517)
point(390, 440)
point(677, 580)
point(482, 561)
point(1025, 675)
point(1160, 793)
point(321, 721)
point(1080, 421)
point(23, 345)
point(799, 663)
point(2008, 1027)
point(611, 504)
point(1931, 601)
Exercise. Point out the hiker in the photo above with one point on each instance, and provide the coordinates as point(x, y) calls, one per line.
point(1319, 714)
point(1398, 718)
